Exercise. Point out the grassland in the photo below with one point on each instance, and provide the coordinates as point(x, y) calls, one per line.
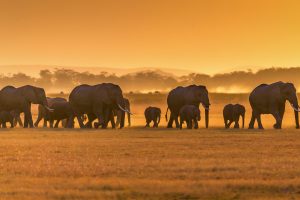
point(139, 163)
point(149, 164)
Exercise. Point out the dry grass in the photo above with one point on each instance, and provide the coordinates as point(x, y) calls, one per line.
point(150, 164)
point(138, 163)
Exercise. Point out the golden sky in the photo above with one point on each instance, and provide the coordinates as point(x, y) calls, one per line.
point(205, 36)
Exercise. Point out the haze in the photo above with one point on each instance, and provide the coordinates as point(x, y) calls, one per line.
point(201, 36)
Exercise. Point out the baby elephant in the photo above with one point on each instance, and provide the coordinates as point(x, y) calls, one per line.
point(232, 113)
point(6, 116)
point(152, 114)
point(189, 114)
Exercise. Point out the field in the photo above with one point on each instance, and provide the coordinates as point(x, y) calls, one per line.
point(139, 163)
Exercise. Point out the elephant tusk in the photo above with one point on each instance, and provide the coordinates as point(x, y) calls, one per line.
point(129, 112)
point(49, 109)
point(296, 109)
point(125, 110)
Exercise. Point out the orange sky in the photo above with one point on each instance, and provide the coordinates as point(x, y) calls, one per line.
point(205, 36)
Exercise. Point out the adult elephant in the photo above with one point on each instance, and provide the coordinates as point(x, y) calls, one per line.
point(97, 101)
point(42, 111)
point(270, 99)
point(21, 98)
point(190, 95)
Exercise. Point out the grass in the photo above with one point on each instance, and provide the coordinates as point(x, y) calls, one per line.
point(139, 163)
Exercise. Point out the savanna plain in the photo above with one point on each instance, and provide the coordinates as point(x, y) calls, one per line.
point(139, 163)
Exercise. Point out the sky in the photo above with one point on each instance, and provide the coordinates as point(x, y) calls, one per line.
point(207, 36)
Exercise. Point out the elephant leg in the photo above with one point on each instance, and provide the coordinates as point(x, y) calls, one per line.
point(25, 121)
point(45, 123)
point(4, 125)
point(129, 119)
point(28, 118)
point(225, 123)
point(229, 123)
point(19, 120)
point(236, 123)
point(258, 117)
point(112, 121)
point(36, 124)
point(91, 118)
point(171, 120)
point(51, 121)
point(107, 117)
point(119, 114)
point(154, 122)
point(181, 122)
point(80, 121)
point(189, 124)
point(64, 122)
point(148, 123)
point(196, 123)
point(12, 125)
point(176, 121)
point(276, 115)
point(71, 121)
point(281, 113)
point(252, 121)
point(100, 122)
point(56, 123)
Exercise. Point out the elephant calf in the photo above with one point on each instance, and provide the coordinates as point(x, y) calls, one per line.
point(232, 113)
point(6, 116)
point(189, 114)
point(62, 111)
point(152, 114)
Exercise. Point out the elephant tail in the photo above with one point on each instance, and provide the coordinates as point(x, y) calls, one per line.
point(167, 114)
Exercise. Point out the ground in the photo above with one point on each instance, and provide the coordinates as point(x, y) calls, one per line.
point(138, 163)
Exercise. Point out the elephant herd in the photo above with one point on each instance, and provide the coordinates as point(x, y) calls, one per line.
point(184, 102)
point(98, 105)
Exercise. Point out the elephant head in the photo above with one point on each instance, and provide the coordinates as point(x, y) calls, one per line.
point(36, 95)
point(201, 95)
point(116, 96)
point(288, 92)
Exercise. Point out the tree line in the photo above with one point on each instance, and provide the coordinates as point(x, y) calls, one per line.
point(237, 81)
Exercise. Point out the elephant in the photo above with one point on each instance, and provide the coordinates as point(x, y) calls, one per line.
point(232, 113)
point(42, 111)
point(97, 101)
point(270, 99)
point(21, 98)
point(152, 114)
point(6, 116)
point(190, 95)
point(189, 114)
point(62, 111)
point(118, 113)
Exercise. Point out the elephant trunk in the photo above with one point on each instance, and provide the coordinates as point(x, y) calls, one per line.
point(121, 106)
point(206, 117)
point(129, 119)
point(297, 119)
point(45, 105)
point(294, 103)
